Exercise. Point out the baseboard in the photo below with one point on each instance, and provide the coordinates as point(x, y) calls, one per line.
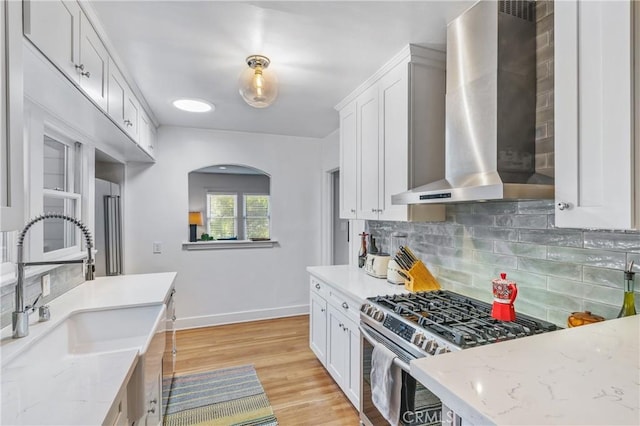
point(236, 317)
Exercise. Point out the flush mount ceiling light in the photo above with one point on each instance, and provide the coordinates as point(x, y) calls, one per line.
point(193, 105)
point(258, 87)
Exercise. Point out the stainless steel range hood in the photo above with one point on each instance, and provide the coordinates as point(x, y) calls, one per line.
point(490, 109)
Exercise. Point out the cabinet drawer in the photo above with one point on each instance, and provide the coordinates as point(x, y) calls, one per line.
point(347, 305)
point(319, 287)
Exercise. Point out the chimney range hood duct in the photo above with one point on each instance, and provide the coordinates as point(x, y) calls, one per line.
point(490, 109)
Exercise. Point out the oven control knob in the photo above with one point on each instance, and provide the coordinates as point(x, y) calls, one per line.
point(377, 315)
point(365, 308)
point(418, 339)
point(442, 350)
point(431, 347)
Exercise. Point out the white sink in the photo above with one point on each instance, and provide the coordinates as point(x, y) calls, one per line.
point(94, 332)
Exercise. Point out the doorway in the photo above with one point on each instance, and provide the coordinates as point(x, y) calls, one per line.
point(340, 249)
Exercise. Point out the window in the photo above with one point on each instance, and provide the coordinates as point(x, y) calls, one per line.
point(234, 201)
point(222, 215)
point(256, 217)
point(60, 194)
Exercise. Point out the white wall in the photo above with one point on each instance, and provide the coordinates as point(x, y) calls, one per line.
point(217, 286)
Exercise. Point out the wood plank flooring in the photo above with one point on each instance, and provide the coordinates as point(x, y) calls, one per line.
point(300, 390)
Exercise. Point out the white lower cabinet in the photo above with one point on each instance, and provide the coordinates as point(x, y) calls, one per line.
point(118, 414)
point(318, 327)
point(335, 338)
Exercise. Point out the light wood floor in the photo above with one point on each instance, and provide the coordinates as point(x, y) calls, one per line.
point(300, 390)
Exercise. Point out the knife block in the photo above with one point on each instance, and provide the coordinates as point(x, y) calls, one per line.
point(420, 279)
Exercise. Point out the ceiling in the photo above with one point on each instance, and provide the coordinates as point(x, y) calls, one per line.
point(320, 51)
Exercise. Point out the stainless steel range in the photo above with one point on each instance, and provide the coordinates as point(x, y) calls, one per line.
point(417, 325)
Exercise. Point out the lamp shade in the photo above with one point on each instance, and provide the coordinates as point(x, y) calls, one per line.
point(195, 218)
point(258, 86)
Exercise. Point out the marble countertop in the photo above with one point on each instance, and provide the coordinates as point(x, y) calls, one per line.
point(354, 281)
point(76, 390)
point(588, 375)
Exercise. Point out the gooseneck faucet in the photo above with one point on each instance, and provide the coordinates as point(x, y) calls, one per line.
point(20, 318)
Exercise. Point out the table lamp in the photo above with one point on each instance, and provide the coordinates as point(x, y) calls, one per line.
point(195, 220)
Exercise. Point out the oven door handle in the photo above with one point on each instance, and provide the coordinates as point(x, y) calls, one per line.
point(397, 361)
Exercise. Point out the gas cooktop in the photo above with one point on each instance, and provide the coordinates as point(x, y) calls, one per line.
point(439, 321)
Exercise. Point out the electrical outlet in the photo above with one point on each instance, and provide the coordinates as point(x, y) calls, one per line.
point(46, 285)
point(157, 247)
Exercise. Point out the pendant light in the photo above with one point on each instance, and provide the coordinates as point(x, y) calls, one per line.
point(258, 87)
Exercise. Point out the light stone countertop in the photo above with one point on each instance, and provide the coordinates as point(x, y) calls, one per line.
point(588, 375)
point(76, 390)
point(354, 281)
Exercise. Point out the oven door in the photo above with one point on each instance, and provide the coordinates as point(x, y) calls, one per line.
point(418, 406)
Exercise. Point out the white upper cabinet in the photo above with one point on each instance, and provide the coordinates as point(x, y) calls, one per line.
point(123, 107)
point(368, 153)
point(53, 27)
point(131, 114)
point(63, 32)
point(399, 137)
point(11, 122)
point(348, 162)
point(594, 137)
point(146, 136)
point(94, 63)
point(117, 94)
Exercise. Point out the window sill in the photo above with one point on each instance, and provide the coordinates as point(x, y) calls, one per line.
point(228, 244)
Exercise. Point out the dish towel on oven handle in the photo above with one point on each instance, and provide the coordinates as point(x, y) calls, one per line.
point(386, 383)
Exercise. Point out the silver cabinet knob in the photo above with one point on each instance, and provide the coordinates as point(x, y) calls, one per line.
point(353, 210)
point(173, 318)
point(563, 205)
point(318, 286)
point(374, 210)
point(151, 410)
point(322, 310)
point(345, 305)
point(128, 122)
point(80, 68)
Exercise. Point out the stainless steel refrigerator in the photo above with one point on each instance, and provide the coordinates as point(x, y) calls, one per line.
point(108, 229)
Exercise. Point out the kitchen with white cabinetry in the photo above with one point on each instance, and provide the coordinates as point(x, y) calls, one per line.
point(496, 142)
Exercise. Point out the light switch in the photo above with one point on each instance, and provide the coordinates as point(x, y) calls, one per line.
point(157, 247)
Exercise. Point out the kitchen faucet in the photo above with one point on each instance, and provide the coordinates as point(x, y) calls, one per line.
point(20, 318)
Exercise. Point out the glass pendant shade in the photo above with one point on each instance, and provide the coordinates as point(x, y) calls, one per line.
point(258, 85)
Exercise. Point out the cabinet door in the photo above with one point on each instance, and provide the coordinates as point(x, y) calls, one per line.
point(144, 131)
point(348, 162)
point(394, 140)
point(593, 114)
point(94, 62)
point(318, 327)
point(337, 346)
point(131, 114)
point(368, 156)
point(11, 121)
point(53, 27)
point(352, 379)
point(117, 90)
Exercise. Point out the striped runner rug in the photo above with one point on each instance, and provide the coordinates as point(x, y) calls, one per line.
point(231, 396)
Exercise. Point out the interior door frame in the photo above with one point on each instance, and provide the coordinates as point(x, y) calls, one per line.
point(326, 251)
